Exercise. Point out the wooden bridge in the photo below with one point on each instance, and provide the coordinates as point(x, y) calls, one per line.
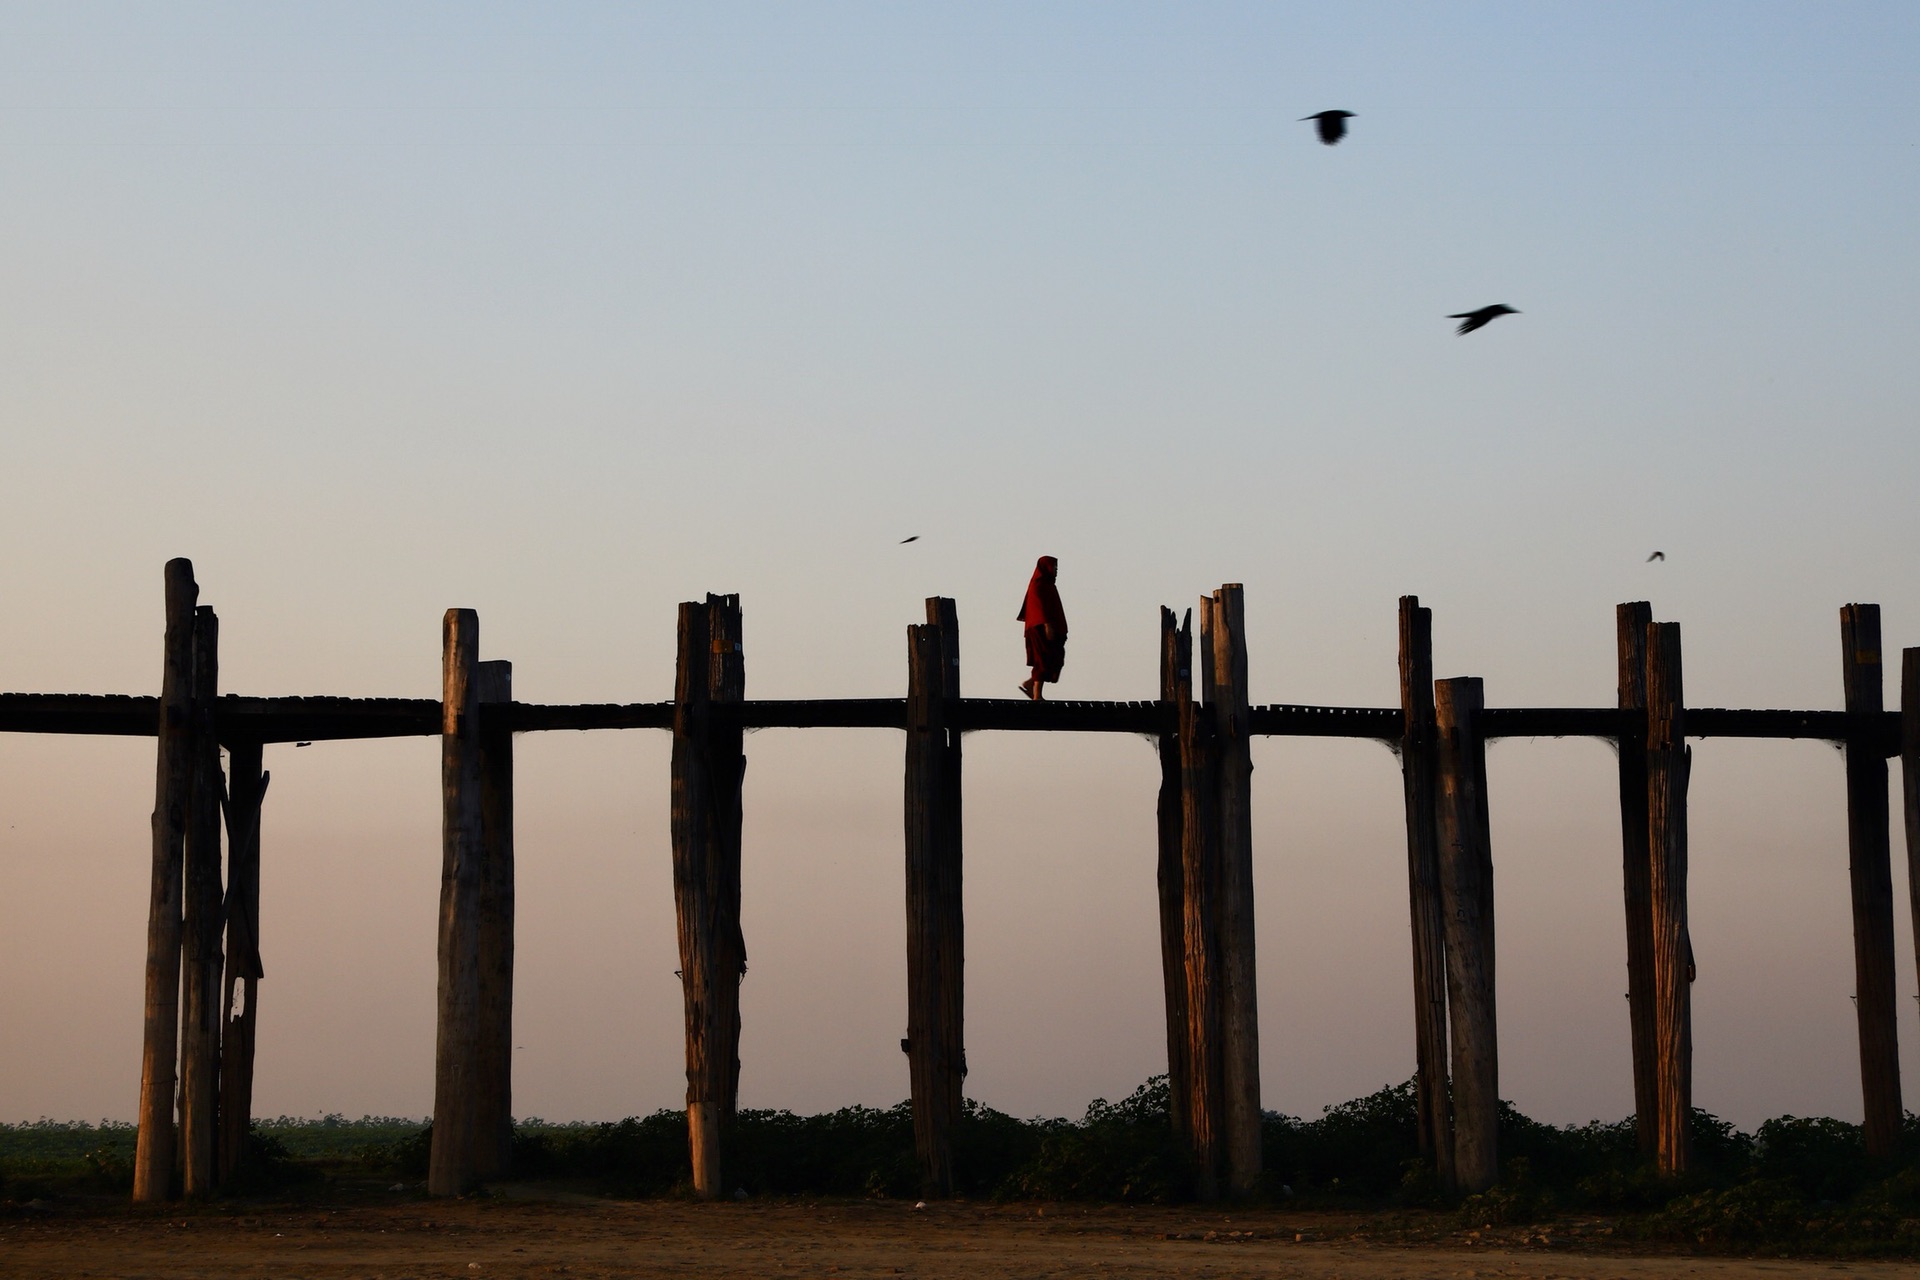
point(203, 952)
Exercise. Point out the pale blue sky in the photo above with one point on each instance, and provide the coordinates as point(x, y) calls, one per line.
point(570, 312)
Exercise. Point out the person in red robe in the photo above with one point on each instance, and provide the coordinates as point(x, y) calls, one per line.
point(1046, 624)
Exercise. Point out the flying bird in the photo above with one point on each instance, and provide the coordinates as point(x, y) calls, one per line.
point(1331, 124)
point(303, 744)
point(1471, 320)
point(914, 538)
point(1658, 555)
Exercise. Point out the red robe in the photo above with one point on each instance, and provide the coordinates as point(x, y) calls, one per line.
point(1042, 610)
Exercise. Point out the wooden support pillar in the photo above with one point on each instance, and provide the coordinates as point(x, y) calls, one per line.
point(1871, 874)
point(202, 925)
point(935, 1043)
point(1417, 777)
point(153, 1160)
point(1466, 891)
point(1910, 782)
point(1176, 690)
point(708, 765)
point(1669, 764)
point(246, 789)
point(1631, 621)
point(493, 1087)
point(452, 1162)
point(1200, 934)
point(1223, 634)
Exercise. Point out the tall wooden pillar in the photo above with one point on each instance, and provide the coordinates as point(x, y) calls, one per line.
point(1417, 777)
point(1223, 634)
point(452, 1162)
point(246, 789)
point(1910, 781)
point(708, 766)
point(1466, 890)
point(935, 1044)
point(1871, 875)
point(153, 1160)
point(1200, 877)
point(1636, 868)
point(1176, 689)
point(1669, 764)
point(493, 1086)
point(202, 924)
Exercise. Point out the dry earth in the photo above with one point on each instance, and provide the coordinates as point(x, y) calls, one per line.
point(580, 1238)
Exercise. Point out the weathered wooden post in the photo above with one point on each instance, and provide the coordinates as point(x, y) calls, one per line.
point(451, 1162)
point(1871, 876)
point(246, 789)
point(202, 924)
point(1466, 892)
point(493, 1087)
point(1631, 621)
point(950, 899)
point(1200, 930)
point(935, 1045)
point(1910, 780)
point(154, 1146)
point(1223, 632)
point(1176, 689)
point(707, 770)
point(1417, 769)
point(1669, 765)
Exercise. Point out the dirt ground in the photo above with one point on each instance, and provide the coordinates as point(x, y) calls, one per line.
point(580, 1238)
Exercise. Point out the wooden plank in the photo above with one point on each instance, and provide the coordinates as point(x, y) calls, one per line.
point(1386, 724)
point(1669, 765)
point(1870, 875)
point(1631, 621)
point(1426, 916)
point(1176, 684)
point(493, 1049)
point(202, 963)
point(1466, 890)
point(246, 790)
point(451, 1161)
point(1200, 928)
point(707, 771)
point(1239, 1005)
point(533, 717)
point(301, 719)
point(153, 1160)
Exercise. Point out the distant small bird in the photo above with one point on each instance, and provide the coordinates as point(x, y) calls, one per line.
point(1658, 555)
point(1331, 124)
point(303, 744)
point(914, 538)
point(1471, 320)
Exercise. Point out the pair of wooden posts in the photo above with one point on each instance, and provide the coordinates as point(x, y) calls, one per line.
point(473, 1042)
point(198, 1041)
point(1205, 874)
point(1450, 885)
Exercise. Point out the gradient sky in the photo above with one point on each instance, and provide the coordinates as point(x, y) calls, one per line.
point(569, 312)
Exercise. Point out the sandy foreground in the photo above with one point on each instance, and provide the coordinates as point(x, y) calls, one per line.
point(581, 1238)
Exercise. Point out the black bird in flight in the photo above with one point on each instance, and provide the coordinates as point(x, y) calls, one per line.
point(1331, 124)
point(1658, 555)
point(914, 538)
point(303, 744)
point(1471, 320)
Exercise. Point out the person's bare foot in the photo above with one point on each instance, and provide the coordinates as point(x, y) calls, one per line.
point(1027, 687)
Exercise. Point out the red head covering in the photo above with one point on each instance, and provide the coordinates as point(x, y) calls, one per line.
point(1042, 604)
